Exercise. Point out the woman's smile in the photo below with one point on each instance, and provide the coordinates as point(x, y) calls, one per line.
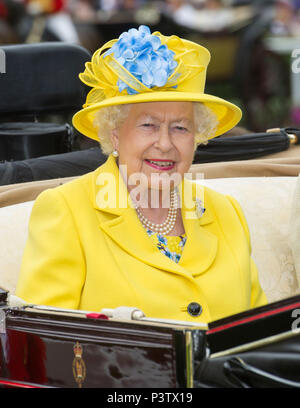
point(162, 165)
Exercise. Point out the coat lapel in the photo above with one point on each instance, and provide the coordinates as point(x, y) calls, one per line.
point(110, 196)
point(201, 246)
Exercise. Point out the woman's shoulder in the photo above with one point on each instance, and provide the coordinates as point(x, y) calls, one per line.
point(226, 209)
point(74, 198)
point(221, 202)
point(81, 186)
point(208, 194)
point(222, 207)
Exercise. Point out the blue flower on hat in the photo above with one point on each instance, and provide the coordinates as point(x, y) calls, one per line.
point(145, 57)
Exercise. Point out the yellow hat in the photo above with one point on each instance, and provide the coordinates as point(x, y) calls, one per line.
point(144, 67)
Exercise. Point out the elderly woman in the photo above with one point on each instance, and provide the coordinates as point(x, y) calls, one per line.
point(137, 231)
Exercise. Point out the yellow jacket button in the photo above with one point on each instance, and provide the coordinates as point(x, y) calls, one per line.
point(194, 309)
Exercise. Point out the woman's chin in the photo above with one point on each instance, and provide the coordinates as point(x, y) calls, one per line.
point(162, 181)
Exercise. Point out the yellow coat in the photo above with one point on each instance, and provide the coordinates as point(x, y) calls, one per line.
point(80, 255)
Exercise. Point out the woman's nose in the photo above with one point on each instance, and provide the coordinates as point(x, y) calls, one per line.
point(164, 140)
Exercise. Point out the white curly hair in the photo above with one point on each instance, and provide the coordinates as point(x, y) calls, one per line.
point(111, 117)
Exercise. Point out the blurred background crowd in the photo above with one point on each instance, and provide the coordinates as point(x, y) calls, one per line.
point(251, 42)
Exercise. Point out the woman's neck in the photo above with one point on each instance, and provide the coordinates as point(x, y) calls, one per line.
point(155, 205)
point(152, 199)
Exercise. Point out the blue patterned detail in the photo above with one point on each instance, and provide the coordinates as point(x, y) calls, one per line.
point(170, 246)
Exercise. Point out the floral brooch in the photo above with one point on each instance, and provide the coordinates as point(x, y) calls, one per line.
point(200, 210)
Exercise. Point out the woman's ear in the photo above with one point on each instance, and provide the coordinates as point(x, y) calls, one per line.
point(114, 137)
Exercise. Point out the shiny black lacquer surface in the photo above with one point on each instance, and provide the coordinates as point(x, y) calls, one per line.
point(253, 325)
point(253, 349)
point(272, 365)
point(259, 348)
point(69, 351)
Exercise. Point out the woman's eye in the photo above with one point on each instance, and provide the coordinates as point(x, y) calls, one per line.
point(181, 129)
point(148, 125)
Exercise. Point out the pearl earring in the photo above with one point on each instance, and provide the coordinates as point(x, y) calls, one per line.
point(115, 153)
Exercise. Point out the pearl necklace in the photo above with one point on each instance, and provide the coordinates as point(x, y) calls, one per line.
point(169, 223)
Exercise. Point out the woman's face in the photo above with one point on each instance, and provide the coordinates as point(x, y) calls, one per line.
point(157, 138)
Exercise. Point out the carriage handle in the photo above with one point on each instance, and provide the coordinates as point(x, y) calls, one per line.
point(119, 313)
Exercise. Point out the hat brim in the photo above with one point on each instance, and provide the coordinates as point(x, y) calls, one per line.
point(227, 113)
